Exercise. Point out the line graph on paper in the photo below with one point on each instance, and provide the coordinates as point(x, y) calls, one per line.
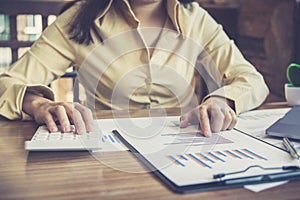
point(194, 139)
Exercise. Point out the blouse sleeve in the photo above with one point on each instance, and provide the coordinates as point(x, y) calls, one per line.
point(238, 80)
point(46, 60)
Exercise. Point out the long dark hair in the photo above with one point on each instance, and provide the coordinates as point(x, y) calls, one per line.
point(83, 20)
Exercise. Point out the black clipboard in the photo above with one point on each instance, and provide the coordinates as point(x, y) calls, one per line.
point(292, 173)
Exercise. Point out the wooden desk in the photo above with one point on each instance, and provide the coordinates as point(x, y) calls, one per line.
point(78, 175)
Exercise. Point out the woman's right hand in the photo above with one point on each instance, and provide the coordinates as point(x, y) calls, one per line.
point(48, 112)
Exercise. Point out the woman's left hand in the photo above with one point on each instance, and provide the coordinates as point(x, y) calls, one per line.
point(213, 115)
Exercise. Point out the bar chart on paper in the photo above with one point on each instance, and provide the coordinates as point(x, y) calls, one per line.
point(109, 138)
point(209, 159)
point(110, 142)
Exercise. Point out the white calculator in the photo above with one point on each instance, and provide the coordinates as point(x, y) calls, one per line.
point(43, 140)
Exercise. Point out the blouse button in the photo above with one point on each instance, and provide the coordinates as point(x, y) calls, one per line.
point(148, 80)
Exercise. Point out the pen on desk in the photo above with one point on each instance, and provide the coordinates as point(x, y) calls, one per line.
point(290, 147)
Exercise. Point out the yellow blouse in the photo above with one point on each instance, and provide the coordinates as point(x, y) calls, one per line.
point(118, 72)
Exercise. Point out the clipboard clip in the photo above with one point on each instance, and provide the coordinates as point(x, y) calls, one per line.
point(285, 168)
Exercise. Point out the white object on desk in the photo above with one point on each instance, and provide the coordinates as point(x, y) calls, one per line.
point(43, 140)
point(292, 94)
point(261, 187)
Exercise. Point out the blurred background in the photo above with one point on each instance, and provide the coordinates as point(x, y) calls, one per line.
point(266, 31)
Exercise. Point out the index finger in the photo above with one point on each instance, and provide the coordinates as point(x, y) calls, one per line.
point(79, 122)
point(204, 121)
point(87, 116)
point(60, 112)
point(76, 117)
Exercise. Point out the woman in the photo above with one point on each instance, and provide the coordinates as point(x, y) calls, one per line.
point(93, 24)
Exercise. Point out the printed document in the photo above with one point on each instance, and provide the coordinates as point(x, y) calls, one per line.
point(185, 157)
